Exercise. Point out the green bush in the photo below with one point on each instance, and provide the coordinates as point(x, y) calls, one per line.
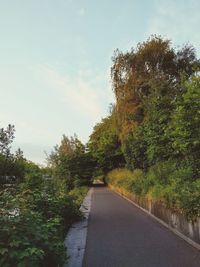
point(134, 150)
point(167, 182)
point(189, 199)
point(29, 240)
point(77, 195)
point(160, 172)
point(124, 178)
point(34, 218)
point(184, 129)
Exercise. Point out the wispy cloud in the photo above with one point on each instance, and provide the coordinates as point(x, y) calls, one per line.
point(177, 20)
point(84, 93)
point(81, 12)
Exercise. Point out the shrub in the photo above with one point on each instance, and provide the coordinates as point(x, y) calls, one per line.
point(167, 182)
point(29, 240)
point(184, 128)
point(34, 218)
point(77, 194)
point(124, 178)
point(189, 199)
point(160, 172)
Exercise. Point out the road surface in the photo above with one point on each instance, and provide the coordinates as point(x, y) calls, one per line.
point(121, 235)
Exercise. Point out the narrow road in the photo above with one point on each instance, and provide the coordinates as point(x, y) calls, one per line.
point(121, 235)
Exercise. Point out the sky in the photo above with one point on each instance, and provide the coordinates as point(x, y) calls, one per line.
point(55, 59)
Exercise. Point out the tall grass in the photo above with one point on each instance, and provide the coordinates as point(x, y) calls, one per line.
point(166, 182)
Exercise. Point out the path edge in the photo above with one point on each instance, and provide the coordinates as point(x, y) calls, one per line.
point(75, 241)
point(185, 238)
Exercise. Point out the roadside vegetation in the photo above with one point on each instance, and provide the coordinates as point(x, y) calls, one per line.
point(149, 145)
point(38, 205)
point(152, 136)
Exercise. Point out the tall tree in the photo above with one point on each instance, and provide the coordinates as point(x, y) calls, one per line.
point(6, 138)
point(185, 126)
point(71, 162)
point(105, 145)
point(134, 72)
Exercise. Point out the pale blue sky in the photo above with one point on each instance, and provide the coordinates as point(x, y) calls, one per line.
point(55, 58)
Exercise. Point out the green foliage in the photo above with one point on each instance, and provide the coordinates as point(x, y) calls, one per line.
point(134, 76)
point(6, 138)
point(134, 149)
point(29, 240)
point(12, 169)
point(34, 219)
point(71, 162)
point(154, 127)
point(124, 178)
point(159, 173)
point(35, 212)
point(185, 128)
point(78, 194)
point(166, 181)
point(179, 192)
point(157, 118)
point(189, 199)
point(158, 108)
point(105, 146)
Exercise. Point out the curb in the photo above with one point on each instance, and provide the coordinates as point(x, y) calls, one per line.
point(75, 241)
point(185, 238)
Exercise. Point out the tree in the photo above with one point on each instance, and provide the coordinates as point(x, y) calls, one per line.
point(12, 166)
point(6, 158)
point(135, 150)
point(105, 146)
point(134, 72)
point(158, 108)
point(6, 138)
point(184, 129)
point(71, 162)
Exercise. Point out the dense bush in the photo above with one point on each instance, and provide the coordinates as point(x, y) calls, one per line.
point(105, 147)
point(34, 219)
point(77, 195)
point(36, 205)
point(166, 182)
point(189, 198)
point(124, 178)
point(72, 162)
point(135, 150)
point(184, 129)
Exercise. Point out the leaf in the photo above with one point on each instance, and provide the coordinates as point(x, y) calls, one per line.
point(15, 243)
point(3, 251)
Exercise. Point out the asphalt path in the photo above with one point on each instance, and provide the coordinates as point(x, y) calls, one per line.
point(122, 235)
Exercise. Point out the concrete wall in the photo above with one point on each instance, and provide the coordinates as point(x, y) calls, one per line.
point(176, 221)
